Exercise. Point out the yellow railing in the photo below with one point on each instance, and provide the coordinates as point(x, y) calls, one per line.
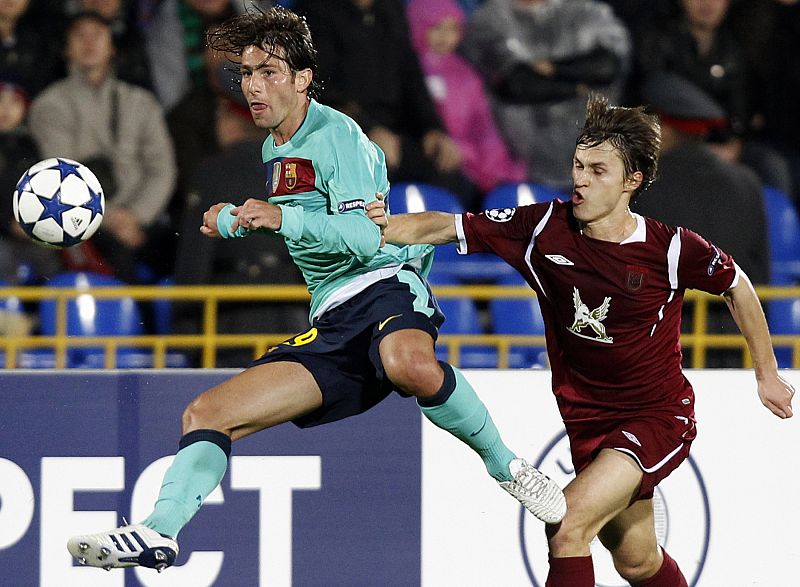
point(697, 343)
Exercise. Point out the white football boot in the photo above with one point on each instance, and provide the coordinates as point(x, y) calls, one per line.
point(539, 494)
point(129, 546)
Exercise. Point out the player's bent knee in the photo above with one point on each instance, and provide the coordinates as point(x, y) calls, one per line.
point(414, 373)
point(570, 535)
point(636, 566)
point(199, 415)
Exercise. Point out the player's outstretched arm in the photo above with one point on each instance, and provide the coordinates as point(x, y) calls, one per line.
point(435, 228)
point(224, 220)
point(773, 390)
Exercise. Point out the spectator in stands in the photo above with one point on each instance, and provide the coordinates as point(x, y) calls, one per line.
point(20, 258)
point(700, 46)
point(118, 131)
point(541, 58)
point(770, 33)
point(697, 188)
point(131, 57)
point(175, 36)
point(234, 170)
point(193, 122)
point(437, 27)
point(635, 13)
point(704, 192)
point(371, 73)
point(26, 53)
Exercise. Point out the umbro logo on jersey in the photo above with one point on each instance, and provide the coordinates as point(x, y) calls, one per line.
point(632, 438)
point(715, 260)
point(559, 259)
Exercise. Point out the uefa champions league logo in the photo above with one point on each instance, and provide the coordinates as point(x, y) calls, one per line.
point(686, 542)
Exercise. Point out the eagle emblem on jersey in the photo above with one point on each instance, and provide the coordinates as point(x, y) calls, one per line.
point(584, 317)
point(290, 175)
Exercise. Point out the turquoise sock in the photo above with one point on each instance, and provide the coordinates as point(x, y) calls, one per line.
point(196, 471)
point(465, 416)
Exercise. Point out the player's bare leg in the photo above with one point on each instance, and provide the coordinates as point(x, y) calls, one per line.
point(447, 399)
point(597, 495)
point(258, 398)
point(631, 539)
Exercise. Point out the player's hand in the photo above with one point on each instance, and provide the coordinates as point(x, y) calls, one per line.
point(776, 394)
point(255, 214)
point(209, 227)
point(376, 211)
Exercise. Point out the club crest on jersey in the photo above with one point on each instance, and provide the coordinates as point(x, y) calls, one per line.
point(592, 319)
point(290, 176)
point(500, 214)
point(635, 277)
point(350, 205)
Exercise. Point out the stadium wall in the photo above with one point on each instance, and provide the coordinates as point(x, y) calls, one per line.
point(382, 499)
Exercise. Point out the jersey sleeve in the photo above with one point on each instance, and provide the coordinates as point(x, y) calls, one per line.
point(703, 265)
point(506, 232)
point(343, 233)
point(356, 172)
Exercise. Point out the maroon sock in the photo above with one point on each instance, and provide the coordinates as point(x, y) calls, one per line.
point(669, 575)
point(571, 571)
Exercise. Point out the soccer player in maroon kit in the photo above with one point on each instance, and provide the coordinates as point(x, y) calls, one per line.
point(610, 284)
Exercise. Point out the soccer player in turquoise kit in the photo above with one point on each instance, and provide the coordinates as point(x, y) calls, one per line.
point(374, 320)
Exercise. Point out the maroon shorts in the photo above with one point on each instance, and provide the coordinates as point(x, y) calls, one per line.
point(658, 442)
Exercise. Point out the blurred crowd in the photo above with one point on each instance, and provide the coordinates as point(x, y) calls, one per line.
point(466, 95)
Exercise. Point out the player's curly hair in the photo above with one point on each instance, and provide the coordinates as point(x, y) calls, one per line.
point(278, 31)
point(635, 134)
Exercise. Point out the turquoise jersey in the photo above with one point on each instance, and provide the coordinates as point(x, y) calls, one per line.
point(322, 179)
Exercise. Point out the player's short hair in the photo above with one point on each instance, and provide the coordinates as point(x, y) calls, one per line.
point(635, 134)
point(278, 31)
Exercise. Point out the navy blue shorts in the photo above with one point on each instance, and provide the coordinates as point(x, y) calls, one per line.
point(341, 348)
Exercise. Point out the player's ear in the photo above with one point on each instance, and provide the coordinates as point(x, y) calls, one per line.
point(302, 80)
point(633, 181)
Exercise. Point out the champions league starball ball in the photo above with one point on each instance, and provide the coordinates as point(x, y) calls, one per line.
point(59, 203)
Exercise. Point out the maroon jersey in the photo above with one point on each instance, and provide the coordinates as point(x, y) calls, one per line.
point(611, 310)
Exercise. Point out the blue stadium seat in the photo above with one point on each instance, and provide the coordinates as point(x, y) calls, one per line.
point(162, 309)
point(784, 318)
point(513, 195)
point(477, 268)
point(89, 316)
point(462, 317)
point(784, 245)
point(519, 316)
point(784, 237)
point(12, 304)
point(420, 197)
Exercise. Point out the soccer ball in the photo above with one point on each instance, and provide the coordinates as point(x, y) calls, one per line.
point(59, 203)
